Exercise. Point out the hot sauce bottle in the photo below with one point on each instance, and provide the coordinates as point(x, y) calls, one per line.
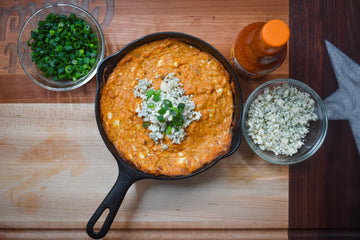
point(260, 48)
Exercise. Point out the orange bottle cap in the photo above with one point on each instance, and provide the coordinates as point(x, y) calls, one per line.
point(275, 33)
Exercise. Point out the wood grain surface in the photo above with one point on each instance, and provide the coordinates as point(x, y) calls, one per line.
point(216, 22)
point(150, 234)
point(55, 170)
point(324, 197)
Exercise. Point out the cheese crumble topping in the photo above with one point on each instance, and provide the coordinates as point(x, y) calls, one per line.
point(278, 120)
point(171, 90)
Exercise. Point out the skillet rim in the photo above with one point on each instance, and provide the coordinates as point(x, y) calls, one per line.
point(203, 46)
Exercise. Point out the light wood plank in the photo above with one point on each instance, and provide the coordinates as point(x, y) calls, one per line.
point(149, 234)
point(216, 22)
point(55, 170)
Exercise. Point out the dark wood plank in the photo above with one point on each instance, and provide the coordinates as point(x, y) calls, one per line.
point(324, 191)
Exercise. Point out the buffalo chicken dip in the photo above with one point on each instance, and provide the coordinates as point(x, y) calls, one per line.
point(168, 107)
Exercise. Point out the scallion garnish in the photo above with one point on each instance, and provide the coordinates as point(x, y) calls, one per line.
point(150, 93)
point(60, 39)
point(178, 121)
point(173, 111)
point(151, 105)
point(161, 118)
point(177, 118)
point(167, 130)
point(162, 111)
point(167, 103)
point(157, 95)
point(181, 107)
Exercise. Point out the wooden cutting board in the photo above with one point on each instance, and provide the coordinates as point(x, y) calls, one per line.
point(55, 170)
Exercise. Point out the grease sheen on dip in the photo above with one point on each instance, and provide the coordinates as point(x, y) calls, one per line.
point(203, 78)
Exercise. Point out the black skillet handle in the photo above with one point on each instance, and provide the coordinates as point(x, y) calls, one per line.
point(111, 202)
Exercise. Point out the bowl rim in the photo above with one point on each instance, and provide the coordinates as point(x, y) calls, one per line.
point(91, 74)
point(313, 95)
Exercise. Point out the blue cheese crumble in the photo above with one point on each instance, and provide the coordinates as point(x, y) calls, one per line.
point(278, 120)
point(153, 101)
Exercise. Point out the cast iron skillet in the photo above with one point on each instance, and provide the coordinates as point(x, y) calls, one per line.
point(128, 173)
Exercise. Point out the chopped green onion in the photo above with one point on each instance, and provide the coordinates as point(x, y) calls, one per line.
point(160, 118)
point(60, 39)
point(167, 130)
point(60, 26)
point(167, 103)
point(178, 121)
point(86, 60)
point(173, 112)
point(68, 69)
point(150, 93)
point(157, 95)
point(181, 107)
point(146, 124)
point(61, 70)
point(162, 111)
point(151, 105)
point(67, 48)
point(76, 45)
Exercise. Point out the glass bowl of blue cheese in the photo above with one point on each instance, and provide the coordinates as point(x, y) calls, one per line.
point(284, 121)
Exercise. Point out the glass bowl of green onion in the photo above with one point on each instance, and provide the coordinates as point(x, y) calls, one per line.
point(61, 46)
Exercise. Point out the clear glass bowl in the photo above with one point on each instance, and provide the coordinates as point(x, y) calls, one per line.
point(313, 139)
point(24, 51)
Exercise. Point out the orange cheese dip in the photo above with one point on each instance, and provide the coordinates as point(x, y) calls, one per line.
point(202, 77)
